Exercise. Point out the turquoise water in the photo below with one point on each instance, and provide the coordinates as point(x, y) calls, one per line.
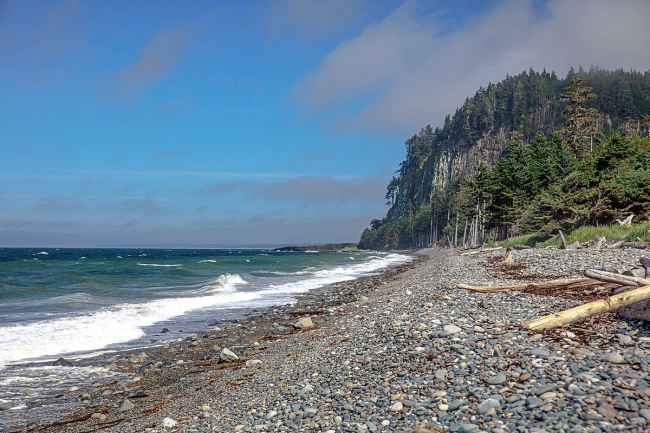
point(77, 302)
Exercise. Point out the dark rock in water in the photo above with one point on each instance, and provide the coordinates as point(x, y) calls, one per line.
point(61, 362)
point(164, 331)
point(213, 323)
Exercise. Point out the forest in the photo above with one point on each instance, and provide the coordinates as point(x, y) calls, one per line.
point(531, 154)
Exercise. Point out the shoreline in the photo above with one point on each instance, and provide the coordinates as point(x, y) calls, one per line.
point(394, 352)
point(130, 363)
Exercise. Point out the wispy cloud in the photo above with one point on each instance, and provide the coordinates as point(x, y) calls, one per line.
point(402, 72)
point(156, 59)
point(315, 18)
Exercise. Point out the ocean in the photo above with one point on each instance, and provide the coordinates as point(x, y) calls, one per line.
point(71, 303)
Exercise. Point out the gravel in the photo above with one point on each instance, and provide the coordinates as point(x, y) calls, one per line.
point(407, 350)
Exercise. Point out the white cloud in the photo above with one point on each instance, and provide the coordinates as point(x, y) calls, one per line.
point(418, 74)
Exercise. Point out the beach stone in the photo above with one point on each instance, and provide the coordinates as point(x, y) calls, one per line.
point(363, 300)
point(253, 363)
point(463, 428)
point(397, 407)
point(457, 404)
point(625, 340)
point(280, 329)
point(615, 358)
point(126, 405)
point(228, 355)
point(497, 379)
point(304, 323)
point(169, 423)
point(645, 413)
point(99, 416)
point(451, 329)
point(533, 402)
point(488, 407)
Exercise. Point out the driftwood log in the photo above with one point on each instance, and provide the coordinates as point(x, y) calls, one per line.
point(482, 250)
point(623, 280)
point(572, 283)
point(581, 312)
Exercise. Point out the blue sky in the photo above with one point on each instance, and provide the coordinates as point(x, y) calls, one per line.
point(244, 123)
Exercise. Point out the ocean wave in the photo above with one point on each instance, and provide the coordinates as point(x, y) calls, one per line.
point(223, 283)
point(118, 324)
point(338, 274)
point(156, 265)
point(207, 261)
point(280, 273)
point(126, 322)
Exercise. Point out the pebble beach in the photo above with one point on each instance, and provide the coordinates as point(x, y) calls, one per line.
point(406, 351)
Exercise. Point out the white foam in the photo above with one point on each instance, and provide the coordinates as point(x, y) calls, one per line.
point(224, 283)
point(118, 324)
point(207, 261)
point(156, 265)
point(337, 275)
point(125, 322)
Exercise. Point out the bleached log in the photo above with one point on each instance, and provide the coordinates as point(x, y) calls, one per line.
point(563, 239)
point(483, 250)
point(553, 284)
point(508, 259)
point(584, 311)
point(623, 280)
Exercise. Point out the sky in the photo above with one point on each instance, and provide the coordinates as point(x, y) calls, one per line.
point(250, 123)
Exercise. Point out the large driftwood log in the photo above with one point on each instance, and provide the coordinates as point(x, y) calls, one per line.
point(553, 284)
point(623, 280)
point(581, 312)
point(482, 250)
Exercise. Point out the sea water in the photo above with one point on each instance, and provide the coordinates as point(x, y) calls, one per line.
point(79, 302)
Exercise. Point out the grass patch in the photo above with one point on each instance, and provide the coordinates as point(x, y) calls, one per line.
point(613, 233)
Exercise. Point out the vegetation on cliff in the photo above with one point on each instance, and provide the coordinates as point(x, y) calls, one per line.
point(532, 153)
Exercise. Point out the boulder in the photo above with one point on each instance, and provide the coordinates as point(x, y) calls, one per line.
point(228, 355)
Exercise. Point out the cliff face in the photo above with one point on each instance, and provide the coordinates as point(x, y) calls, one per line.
point(517, 108)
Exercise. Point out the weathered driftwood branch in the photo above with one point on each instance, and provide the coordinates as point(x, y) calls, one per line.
point(563, 239)
point(581, 312)
point(483, 250)
point(553, 284)
point(623, 280)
